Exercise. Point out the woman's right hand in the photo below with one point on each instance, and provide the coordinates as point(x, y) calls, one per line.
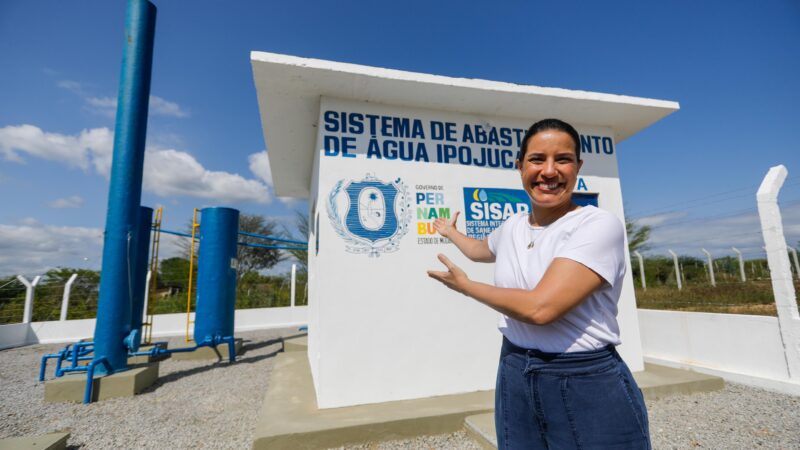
point(445, 227)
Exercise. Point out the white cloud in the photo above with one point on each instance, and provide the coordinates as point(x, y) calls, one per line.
point(72, 86)
point(161, 107)
point(166, 171)
point(260, 167)
point(73, 201)
point(172, 172)
point(107, 106)
point(658, 219)
point(33, 249)
point(687, 236)
point(75, 151)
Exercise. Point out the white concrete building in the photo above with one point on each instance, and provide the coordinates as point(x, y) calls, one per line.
point(380, 154)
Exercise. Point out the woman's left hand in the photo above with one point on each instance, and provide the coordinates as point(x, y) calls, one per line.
point(455, 278)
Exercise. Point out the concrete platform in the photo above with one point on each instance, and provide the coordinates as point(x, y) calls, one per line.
point(289, 417)
point(655, 382)
point(71, 387)
point(661, 381)
point(296, 343)
point(219, 353)
point(481, 428)
point(52, 441)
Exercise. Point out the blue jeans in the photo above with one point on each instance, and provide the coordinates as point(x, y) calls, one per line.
point(579, 400)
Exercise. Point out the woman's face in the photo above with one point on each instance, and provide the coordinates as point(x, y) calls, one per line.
point(549, 169)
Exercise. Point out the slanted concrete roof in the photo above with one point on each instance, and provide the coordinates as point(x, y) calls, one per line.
point(289, 89)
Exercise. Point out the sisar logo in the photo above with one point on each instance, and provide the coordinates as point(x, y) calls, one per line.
point(487, 208)
point(370, 215)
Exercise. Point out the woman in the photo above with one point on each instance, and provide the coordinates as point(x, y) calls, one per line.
point(558, 276)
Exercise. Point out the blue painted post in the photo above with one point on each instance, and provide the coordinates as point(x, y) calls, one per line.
point(125, 189)
point(216, 275)
point(140, 266)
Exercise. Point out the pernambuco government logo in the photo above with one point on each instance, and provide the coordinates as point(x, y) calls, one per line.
point(370, 215)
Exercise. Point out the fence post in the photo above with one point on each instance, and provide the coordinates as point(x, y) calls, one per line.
point(30, 286)
point(677, 269)
point(796, 264)
point(741, 264)
point(780, 271)
point(641, 268)
point(294, 279)
point(710, 267)
point(65, 297)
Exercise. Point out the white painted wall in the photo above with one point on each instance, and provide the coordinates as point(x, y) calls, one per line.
point(14, 335)
point(381, 330)
point(164, 325)
point(740, 344)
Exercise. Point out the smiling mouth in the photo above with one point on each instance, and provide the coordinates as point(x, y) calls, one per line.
point(551, 186)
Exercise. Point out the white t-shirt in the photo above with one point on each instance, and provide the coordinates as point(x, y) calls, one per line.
point(588, 235)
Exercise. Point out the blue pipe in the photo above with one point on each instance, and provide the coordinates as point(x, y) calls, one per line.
point(270, 238)
point(87, 394)
point(247, 244)
point(125, 190)
point(211, 342)
point(140, 264)
point(283, 247)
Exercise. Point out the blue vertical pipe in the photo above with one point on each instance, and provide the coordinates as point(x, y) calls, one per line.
point(216, 275)
point(125, 189)
point(140, 267)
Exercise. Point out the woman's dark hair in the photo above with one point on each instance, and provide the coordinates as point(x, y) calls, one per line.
point(550, 124)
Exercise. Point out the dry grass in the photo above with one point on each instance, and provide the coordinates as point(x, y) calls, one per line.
point(752, 297)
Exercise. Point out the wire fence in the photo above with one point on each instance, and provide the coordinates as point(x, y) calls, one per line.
point(741, 287)
point(253, 291)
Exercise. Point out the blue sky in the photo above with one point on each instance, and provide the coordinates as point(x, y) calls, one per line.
point(732, 66)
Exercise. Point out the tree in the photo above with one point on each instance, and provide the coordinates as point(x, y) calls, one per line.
point(174, 273)
point(301, 229)
point(637, 235)
point(254, 259)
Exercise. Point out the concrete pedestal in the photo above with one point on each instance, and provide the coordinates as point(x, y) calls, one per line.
point(71, 388)
point(51, 441)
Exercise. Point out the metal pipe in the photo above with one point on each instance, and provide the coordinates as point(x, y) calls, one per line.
point(741, 264)
point(140, 262)
point(677, 269)
point(147, 280)
point(125, 189)
point(30, 287)
point(641, 268)
point(65, 297)
point(216, 274)
point(271, 238)
point(710, 267)
point(294, 280)
point(280, 247)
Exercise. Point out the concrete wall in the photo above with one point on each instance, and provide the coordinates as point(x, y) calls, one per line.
point(14, 335)
point(381, 329)
point(739, 344)
point(164, 325)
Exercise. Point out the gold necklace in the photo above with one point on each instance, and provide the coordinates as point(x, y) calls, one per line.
point(532, 243)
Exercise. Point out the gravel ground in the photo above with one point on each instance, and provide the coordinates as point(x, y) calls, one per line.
point(171, 415)
point(194, 404)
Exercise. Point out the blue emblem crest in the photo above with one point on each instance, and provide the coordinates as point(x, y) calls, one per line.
point(376, 214)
